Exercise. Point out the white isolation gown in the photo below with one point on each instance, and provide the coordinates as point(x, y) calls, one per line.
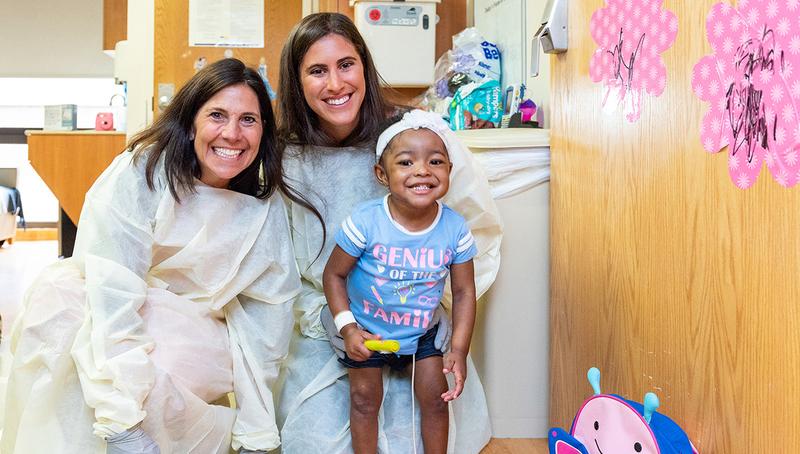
point(315, 401)
point(164, 308)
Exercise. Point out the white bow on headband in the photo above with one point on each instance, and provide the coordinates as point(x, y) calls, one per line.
point(414, 119)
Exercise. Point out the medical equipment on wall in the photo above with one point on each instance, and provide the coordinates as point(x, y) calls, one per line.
point(401, 37)
point(552, 34)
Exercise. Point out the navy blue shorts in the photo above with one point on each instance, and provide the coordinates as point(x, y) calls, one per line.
point(425, 349)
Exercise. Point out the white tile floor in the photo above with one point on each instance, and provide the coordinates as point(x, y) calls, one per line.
point(20, 263)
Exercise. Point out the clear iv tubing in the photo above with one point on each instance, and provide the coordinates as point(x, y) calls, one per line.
point(413, 416)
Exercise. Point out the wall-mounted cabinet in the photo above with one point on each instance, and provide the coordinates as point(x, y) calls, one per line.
point(115, 22)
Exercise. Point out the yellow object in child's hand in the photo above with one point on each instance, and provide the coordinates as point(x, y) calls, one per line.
point(384, 346)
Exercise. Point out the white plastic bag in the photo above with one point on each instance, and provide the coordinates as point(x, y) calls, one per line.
point(472, 60)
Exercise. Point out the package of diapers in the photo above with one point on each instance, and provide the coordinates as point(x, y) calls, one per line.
point(483, 100)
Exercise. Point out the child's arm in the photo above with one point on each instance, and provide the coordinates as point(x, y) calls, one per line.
point(462, 280)
point(334, 280)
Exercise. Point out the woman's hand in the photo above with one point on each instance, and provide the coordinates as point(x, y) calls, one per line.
point(455, 362)
point(354, 338)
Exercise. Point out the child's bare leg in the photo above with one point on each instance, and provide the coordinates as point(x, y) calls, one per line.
point(429, 384)
point(366, 393)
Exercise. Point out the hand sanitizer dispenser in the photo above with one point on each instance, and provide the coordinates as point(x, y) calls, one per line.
point(552, 34)
point(401, 37)
point(124, 67)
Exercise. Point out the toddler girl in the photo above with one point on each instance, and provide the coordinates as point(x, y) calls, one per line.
point(386, 277)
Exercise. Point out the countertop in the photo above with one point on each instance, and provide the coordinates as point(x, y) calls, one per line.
point(33, 132)
point(495, 138)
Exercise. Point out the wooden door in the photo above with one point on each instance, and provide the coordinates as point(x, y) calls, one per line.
point(664, 274)
point(174, 60)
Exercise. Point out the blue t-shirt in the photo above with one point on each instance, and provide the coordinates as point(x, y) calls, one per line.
point(399, 277)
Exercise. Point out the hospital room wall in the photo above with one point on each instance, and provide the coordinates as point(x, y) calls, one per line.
point(53, 38)
point(174, 60)
point(664, 274)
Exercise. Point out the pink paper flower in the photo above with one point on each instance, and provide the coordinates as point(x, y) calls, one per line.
point(756, 55)
point(631, 35)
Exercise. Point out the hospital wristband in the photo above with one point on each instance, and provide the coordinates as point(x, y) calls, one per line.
point(343, 319)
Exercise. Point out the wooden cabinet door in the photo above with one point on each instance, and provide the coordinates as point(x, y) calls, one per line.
point(664, 274)
point(115, 22)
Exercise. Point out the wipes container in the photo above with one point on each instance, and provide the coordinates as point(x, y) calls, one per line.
point(63, 117)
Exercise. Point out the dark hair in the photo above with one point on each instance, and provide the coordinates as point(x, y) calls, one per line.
point(297, 122)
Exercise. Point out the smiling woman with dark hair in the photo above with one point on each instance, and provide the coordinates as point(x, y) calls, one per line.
point(308, 113)
point(179, 291)
point(331, 110)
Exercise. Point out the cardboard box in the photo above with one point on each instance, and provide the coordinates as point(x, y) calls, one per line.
point(63, 117)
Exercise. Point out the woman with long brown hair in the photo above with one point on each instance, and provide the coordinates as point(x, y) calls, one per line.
point(331, 109)
point(179, 291)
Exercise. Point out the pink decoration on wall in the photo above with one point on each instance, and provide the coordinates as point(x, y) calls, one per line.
point(753, 91)
point(631, 35)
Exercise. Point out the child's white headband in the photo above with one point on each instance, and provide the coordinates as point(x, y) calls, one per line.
point(414, 119)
